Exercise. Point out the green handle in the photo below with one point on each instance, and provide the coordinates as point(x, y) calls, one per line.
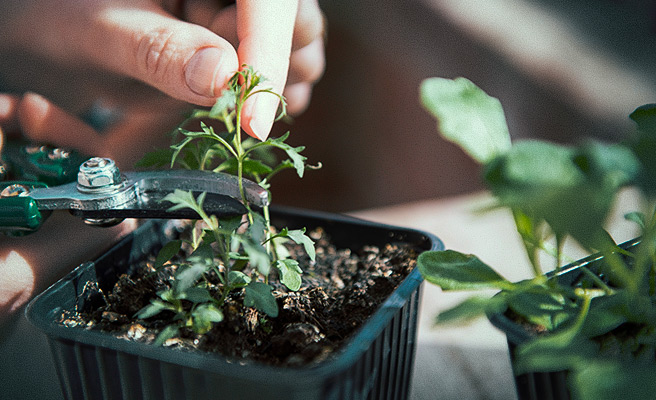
point(19, 214)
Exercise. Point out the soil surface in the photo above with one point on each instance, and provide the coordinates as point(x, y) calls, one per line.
point(340, 290)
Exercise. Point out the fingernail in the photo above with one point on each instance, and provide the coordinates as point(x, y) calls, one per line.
point(204, 72)
point(263, 112)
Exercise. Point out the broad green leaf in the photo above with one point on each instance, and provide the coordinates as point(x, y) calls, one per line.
point(452, 270)
point(257, 256)
point(470, 309)
point(290, 273)
point(299, 237)
point(167, 253)
point(238, 279)
point(230, 224)
point(542, 306)
point(204, 316)
point(196, 294)
point(608, 380)
point(258, 295)
point(645, 117)
point(552, 353)
point(257, 229)
point(543, 181)
point(467, 116)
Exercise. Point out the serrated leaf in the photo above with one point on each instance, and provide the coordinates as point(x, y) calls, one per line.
point(258, 295)
point(467, 116)
point(182, 199)
point(224, 104)
point(292, 152)
point(167, 253)
point(452, 270)
point(299, 237)
point(290, 273)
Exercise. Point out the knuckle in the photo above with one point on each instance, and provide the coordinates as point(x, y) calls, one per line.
point(155, 50)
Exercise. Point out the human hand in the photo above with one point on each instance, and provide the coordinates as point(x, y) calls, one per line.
point(188, 60)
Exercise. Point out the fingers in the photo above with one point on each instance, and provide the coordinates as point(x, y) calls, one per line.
point(265, 30)
point(43, 122)
point(184, 60)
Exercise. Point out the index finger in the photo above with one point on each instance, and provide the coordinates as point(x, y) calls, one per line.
point(265, 30)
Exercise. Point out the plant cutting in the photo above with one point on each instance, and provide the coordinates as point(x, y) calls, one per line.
point(275, 303)
point(594, 320)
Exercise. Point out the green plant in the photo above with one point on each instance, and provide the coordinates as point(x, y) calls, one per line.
point(231, 254)
point(556, 192)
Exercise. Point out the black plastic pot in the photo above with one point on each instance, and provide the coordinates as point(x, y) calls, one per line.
point(545, 385)
point(375, 364)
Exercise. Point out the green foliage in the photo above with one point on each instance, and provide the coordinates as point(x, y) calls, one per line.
point(232, 254)
point(556, 191)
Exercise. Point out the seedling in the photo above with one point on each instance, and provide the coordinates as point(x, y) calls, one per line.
point(231, 254)
point(556, 192)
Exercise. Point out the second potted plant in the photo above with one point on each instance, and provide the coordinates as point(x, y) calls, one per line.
point(586, 330)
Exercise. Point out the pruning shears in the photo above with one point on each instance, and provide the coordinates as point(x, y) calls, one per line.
point(45, 179)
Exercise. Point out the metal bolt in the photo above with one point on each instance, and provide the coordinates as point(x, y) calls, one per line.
point(98, 174)
point(15, 190)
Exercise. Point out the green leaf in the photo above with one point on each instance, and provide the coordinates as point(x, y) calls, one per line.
point(637, 217)
point(224, 104)
point(452, 270)
point(167, 333)
point(292, 152)
point(155, 307)
point(543, 181)
point(257, 256)
point(470, 309)
point(610, 380)
point(551, 353)
point(167, 253)
point(467, 116)
point(258, 295)
point(157, 159)
point(238, 279)
point(290, 273)
point(542, 306)
point(299, 237)
point(196, 294)
point(204, 316)
point(183, 199)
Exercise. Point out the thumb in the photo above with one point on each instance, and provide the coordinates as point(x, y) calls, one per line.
point(185, 61)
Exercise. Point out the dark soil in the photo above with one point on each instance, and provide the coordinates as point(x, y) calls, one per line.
point(341, 289)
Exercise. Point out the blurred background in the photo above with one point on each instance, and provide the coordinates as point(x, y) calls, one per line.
point(563, 70)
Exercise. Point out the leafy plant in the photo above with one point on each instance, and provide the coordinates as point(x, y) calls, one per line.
point(602, 330)
point(231, 254)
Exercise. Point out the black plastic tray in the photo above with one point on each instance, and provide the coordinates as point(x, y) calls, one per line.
point(375, 364)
